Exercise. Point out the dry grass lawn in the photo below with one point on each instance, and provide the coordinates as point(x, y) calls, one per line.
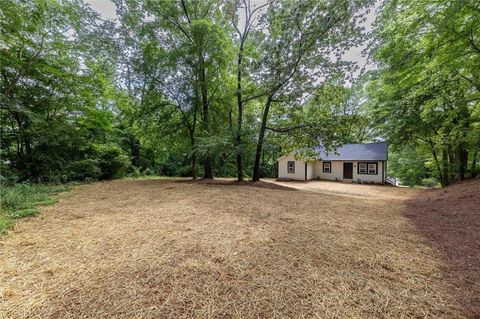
point(166, 249)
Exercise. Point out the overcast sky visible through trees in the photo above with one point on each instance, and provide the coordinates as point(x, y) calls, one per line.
point(107, 10)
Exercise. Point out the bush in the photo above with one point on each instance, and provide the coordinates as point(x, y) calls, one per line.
point(8, 176)
point(104, 161)
point(148, 172)
point(135, 172)
point(11, 198)
point(184, 171)
point(168, 168)
point(21, 200)
point(84, 170)
point(430, 182)
point(26, 195)
point(474, 172)
point(113, 161)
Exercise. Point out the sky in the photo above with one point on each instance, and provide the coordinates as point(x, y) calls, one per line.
point(106, 8)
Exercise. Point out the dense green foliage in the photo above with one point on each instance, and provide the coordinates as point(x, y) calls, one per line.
point(425, 96)
point(56, 95)
point(223, 88)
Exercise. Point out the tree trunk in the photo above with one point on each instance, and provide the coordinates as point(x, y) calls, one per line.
point(194, 166)
point(31, 168)
point(452, 167)
point(238, 137)
point(464, 120)
point(437, 164)
point(25, 150)
point(462, 161)
point(444, 167)
point(207, 167)
point(194, 158)
point(207, 164)
point(261, 136)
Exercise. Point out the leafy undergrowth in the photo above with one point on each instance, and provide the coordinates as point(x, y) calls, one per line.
point(23, 200)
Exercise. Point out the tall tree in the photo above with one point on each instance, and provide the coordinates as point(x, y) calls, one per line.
point(189, 70)
point(426, 90)
point(243, 12)
point(56, 92)
point(301, 46)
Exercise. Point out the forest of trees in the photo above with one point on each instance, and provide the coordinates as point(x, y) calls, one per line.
point(223, 88)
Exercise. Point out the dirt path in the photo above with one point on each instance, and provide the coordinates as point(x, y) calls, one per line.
point(163, 249)
point(352, 190)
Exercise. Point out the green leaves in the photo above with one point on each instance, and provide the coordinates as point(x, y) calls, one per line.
point(82, 98)
point(57, 91)
point(426, 88)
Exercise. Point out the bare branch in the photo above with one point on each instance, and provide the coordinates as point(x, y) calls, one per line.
point(288, 129)
point(184, 6)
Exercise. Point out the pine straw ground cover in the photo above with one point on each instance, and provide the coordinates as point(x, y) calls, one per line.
point(449, 220)
point(163, 249)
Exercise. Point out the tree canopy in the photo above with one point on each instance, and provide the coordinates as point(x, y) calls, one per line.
point(223, 88)
point(425, 94)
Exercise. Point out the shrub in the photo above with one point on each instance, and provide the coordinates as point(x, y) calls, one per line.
point(148, 172)
point(474, 172)
point(24, 213)
point(113, 161)
point(430, 182)
point(21, 200)
point(84, 170)
point(168, 168)
point(184, 171)
point(11, 197)
point(135, 172)
point(8, 175)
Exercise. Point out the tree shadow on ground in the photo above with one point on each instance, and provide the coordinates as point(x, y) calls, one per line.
point(449, 220)
point(228, 182)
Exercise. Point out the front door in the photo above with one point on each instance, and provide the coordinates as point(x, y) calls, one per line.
point(347, 170)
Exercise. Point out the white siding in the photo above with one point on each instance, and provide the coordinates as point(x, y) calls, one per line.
point(299, 168)
point(337, 172)
point(310, 170)
point(315, 171)
point(367, 178)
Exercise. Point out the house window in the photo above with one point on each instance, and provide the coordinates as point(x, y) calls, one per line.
point(362, 168)
point(367, 168)
point(327, 167)
point(291, 167)
point(372, 168)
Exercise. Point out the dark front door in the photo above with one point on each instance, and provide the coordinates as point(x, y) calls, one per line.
point(347, 170)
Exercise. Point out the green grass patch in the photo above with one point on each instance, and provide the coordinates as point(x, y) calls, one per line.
point(22, 200)
point(5, 223)
point(24, 213)
point(45, 202)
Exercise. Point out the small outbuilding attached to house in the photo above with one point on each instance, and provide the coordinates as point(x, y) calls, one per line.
point(360, 163)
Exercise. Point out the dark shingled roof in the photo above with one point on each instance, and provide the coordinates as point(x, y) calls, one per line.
point(354, 152)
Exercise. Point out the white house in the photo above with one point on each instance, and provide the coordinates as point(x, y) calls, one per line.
point(360, 163)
